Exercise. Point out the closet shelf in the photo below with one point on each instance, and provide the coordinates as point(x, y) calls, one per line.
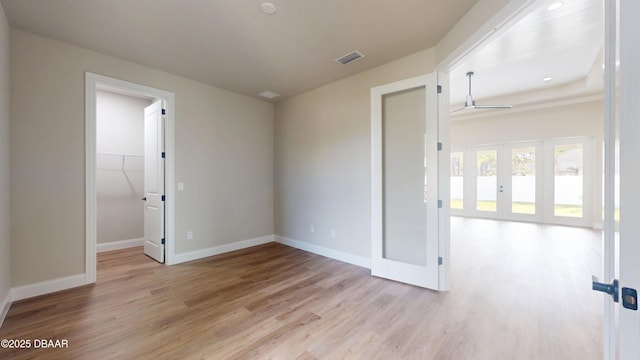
point(122, 156)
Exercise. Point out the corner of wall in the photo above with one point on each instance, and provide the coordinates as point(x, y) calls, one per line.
point(5, 304)
point(325, 251)
point(5, 176)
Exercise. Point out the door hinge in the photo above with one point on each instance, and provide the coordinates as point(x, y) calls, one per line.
point(164, 111)
point(163, 154)
point(439, 146)
point(439, 204)
point(439, 89)
point(439, 260)
point(163, 198)
point(162, 241)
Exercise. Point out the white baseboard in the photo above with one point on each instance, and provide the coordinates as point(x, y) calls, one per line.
point(50, 286)
point(326, 252)
point(220, 249)
point(46, 287)
point(117, 245)
point(4, 307)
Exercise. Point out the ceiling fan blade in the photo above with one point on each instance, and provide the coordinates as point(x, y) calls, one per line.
point(470, 103)
point(461, 109)
point(493, 106)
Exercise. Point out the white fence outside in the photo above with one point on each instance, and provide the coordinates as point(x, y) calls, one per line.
point(568, 189)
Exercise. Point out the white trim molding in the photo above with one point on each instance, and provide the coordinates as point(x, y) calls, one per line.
point(50, 286)
point(326, 252)
point(4, 307)
point(93, 82)
point(47, 287)
point(117, 245)
point(221, 249)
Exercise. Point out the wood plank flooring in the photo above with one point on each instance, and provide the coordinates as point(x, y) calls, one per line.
point(519, 291)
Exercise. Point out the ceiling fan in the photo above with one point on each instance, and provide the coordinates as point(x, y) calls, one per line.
point(470, 104)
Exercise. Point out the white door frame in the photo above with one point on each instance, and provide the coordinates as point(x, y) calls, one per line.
point(92, 82)
point(609, 186)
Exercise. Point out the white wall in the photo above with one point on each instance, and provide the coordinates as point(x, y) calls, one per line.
point(322, 146)
point(323, 158)
point(5, 234)
point(224, 156)
point(583, 119)
point(119, 185)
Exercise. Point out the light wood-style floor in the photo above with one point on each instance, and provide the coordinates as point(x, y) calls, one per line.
point(519, 291)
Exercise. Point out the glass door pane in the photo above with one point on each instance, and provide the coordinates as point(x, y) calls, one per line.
point(523, 180)
point(568, 180)
point(403, 165)
point(457, 180)
point(487, 181)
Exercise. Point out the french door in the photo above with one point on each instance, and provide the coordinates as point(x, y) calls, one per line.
point(569, 181)
point(541, 181)
point(499, 181)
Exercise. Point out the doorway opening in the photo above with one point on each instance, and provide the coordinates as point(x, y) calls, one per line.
point(120, 159)
point(527, 167)
point(117, 168)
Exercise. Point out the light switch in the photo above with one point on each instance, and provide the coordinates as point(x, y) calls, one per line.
point(180, 186)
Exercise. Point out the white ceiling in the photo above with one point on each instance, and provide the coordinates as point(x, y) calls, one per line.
point(233, 45)
point(564, 44)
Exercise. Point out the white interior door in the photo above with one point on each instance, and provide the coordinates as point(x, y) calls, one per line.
point(154, 181)
point(404, 123)
point(629, 330)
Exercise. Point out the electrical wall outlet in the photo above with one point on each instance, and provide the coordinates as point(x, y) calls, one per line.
point(312, 228)
point(189, 235)
point(333, 233)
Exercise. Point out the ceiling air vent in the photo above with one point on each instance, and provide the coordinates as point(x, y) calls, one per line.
point(268, 94)
point(350, 57)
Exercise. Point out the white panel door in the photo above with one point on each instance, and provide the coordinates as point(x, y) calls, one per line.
point(404, 121)
point(154, 181)
point(629, 330)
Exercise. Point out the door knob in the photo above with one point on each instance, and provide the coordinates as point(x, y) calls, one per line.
point(144, 198)
point(611, 289)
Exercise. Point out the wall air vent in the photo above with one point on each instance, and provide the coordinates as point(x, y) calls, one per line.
point(350, 57)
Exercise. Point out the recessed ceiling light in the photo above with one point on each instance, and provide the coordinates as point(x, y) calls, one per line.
point(547, 79)
point(269, 94)
point(555, 5)
point(268, 8)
